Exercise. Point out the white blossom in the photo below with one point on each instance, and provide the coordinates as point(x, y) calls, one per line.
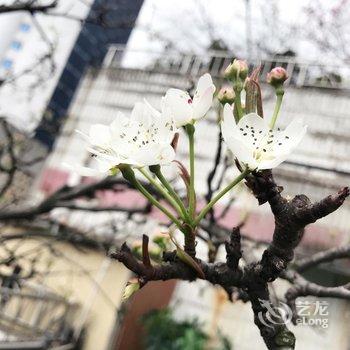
point(143, 139)
point(97, 168)
point(186, 109)
point(253, 143)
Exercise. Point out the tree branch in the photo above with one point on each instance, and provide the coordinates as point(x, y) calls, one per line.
point(63, 196)
point(302, 287)
point(291, 217)
point(323, 257)
point(28, 6)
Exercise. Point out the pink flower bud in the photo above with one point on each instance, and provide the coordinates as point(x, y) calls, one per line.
point(238, 68)
point(226, 95)
point(277, 76)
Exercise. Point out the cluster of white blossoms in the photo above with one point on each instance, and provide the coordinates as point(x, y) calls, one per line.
point(145, 138)
point(142, 139)
point(255, 144)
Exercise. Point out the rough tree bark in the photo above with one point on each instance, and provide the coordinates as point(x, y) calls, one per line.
point(252, 280)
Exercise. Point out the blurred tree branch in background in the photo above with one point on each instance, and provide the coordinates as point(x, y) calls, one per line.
point(241, 275)
point(31, 6)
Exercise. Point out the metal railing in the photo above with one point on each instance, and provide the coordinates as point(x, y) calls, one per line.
point(301, 73)
point(33, 317)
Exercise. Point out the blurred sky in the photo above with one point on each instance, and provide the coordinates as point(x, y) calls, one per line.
point(186, 25)
point(277, 25)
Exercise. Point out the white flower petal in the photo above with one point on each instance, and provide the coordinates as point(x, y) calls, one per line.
point(166, 133)
point(270, 164)
point(253, 130)
point(166, 115)
point(202, 103)
point(166, 155)
point(84, 136)
point(240, 151)
point(113, 160)
point(233, 139)
point(119, 129)
point(99, 134)
point(180, 104)
point(290, 138)
point(204, 83)
point(151, 109)
point(229, 127)
point(104, 166)
point(141, 114)
point(154, 154)
point(82, 170)
point(203, 97)
point(252, 120)
point(118, 124)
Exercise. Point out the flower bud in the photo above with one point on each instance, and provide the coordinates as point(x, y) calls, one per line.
point(156, 253)
point(226, 95)
point(277, 76)
point(238, 68)
point(131, 288)
point(162, 240)
point(136, 247)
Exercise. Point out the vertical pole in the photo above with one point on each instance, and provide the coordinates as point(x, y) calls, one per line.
point(248, 27)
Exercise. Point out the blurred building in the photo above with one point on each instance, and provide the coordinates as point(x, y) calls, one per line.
point(44, 55)
point(77, 294)
point(70, 302)
point(316, 93)
point(10, 26)
point(32, 58)
point(42, 59)
point(107, 22)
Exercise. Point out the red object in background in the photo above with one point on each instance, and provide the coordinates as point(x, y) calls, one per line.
point(259, 227)
point(53, 179)
point(127, 198)
point(153, 296)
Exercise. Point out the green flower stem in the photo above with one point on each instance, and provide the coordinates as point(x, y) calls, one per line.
point(238, 104)
point(155, 169)
point(238, 87)
point(192, 195)
point(161, 190)
point(279, 95)
point(129, 175)
point(206, 209)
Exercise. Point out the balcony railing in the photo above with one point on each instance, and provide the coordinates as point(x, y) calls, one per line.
point(32, 317)
point(301, 73)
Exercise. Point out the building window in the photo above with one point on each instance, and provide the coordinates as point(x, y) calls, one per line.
point(24, 27)
point(16, 45)
point(6, 63)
